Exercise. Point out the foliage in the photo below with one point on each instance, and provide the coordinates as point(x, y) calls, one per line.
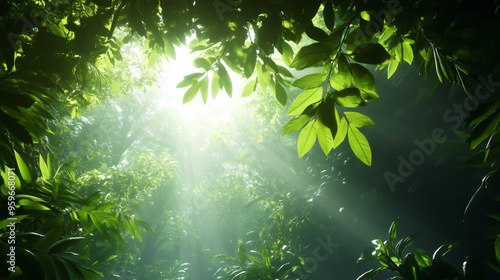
point(60, 234)
point(83, 40)
point(416, 265)
point(268, 263)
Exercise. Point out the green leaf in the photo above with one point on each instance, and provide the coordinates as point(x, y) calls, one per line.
point(202, 62)
point(391, 237)
point(362, 77)
point(407, 52)
point(281, 94)
point(443, 250)
point(483, 130)
point(393, 66)
point(296, 124)
point(357, 119)
point(403, 244)
point(342, 78)
point(311, 55)
point(242, 254)
point(226, 80)
point(204, 89)
point(249, 88)
point(307, 138)
point(23, 168)
point(263, 77)
point(287, 53)
point(303, 100)
point(191, 93)
point(215, 84)
point(370, 53)
point(266, 255)
point(4, 223)
point(422, 258)
point(325, 137)
point(44, 169)
point(189, 80)
point(250, 61)
point(64, 244)
point(359, 145)
point(341, 131)
point(310, 81)
point(349, 97)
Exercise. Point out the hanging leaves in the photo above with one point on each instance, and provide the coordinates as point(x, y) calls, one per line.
point(303, 100)
point(312, 55)
point(307, 138)
point(359, 145)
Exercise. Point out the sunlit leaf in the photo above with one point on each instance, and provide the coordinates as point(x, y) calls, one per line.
point(249, 88)
point(310, 81)
point(407, 52)
point(189, 80)
point(23, 168)
point(325, 137)
point(226, 80)
point(305, 99)
point(362, 77)
point(281, 94)
point(311, 55)
point(191, 93)
point(296, 124)
point(422, 258)
point(483, 130)
point(341, 131)
point(391, 237)
point(204, 88)
point(307, 138)
point(250, 62)
point(391, 69)
point(357, 119)
point(359, 145)
point(443, 250)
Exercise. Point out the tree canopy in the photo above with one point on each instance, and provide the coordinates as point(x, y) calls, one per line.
point(316, 59)
point(60, 51)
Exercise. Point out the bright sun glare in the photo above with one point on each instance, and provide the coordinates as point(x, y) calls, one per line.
point(215, 111)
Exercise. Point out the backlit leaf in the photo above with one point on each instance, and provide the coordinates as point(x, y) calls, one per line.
point(325, 137)
point(295, 124)
point(23, 168)
point(362, 77)
point(281, 94)
point(310, 81)
point(249, 88)
point(226, 80)
point(443, 250)
point(305, 99)
point(359, 145)
point(191, 93)
point(307, 138)
point(311, 55)
point(357, 119)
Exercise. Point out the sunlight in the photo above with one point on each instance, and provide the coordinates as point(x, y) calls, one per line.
point(215, 112)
